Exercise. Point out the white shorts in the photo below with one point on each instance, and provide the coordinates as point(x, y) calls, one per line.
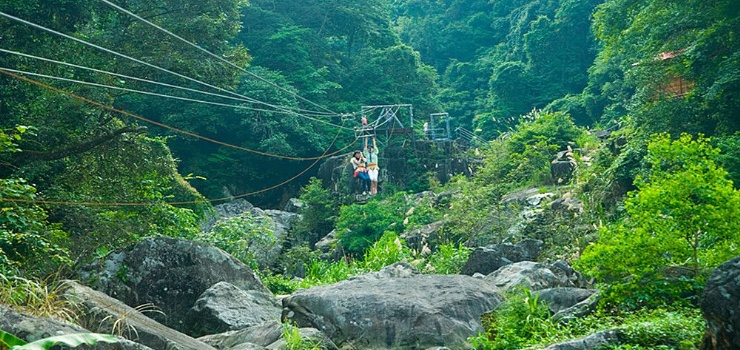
point(373, 174)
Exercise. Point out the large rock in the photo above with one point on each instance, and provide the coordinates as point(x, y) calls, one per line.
point(262, 334)
point(294, 205)
point(582, 308)
point(491, 258)
point(380, 312)
point(536, 276)
point(225, 307)
point(31, 328)
point(419, 239)
point(227, 210)
point(720, 306)
point(169, 273)
point(598, 340)
point(563, 167)
point(280, 222)
point(561, 298)
point(109, 315)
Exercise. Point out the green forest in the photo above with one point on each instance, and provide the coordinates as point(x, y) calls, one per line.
point(122, 120)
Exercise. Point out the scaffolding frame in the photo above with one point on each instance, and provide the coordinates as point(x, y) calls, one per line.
point(388, 120)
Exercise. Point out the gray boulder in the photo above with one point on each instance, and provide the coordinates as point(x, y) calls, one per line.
point(282, 221)
point(597, 340)
point(227, 210)
point(31, 328)
point(720, 306)
point(561, 298)
point(491, 258)
point(104, 314)
point(378, 312)
point(580, 309)
point(225, 307)
point(294, 205)
point(169, 273)
point(262, 334)
point(419, 239)
point(563, 167)
point(535, 276)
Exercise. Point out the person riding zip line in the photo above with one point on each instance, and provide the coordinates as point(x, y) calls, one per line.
point(360, 170)
point(371, 155)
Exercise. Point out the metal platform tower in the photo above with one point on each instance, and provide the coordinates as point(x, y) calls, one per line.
point(389, 119)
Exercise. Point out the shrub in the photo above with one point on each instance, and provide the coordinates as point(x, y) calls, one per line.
point(519, 321)
point(359, 226)
point(27, 241)
point(683, 217)
point(448, 259)
point(389, 249)
point(36, 297)
point(247, 238)
point(318, 213)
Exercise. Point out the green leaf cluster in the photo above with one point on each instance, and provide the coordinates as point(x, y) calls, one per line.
point(69, 340)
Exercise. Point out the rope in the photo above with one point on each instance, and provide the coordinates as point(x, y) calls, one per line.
point(162, 125)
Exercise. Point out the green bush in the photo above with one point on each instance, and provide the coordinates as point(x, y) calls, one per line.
point(247, 238)
point(389, 249)
point(519, 321)
point(680, 223)
point(27, 241)
point(447, 259)
point(359, 226)
point(318, 213)
point(550, 128)
point(668, 329)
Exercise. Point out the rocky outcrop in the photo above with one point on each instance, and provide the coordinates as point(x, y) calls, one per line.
point(536, 276)
point(268, 335)
point(294, 205)
point(720, 306)
point(597, 340)
point(381, 312)
point(563, 167)
point(582, 308)
point(224, 307)
point(262, 335)
point(227, 210)
point(31, 328)
point(170, 274)
point(561, 298)
point(490, 258)
point(108, 315)
point(419, 239)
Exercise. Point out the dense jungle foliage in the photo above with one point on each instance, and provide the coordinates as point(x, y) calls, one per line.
point(113, 130)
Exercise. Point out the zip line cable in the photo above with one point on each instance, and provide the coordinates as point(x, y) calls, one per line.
point(154, 94)
point(213, 55)
point(145, 80)
point(162, 125)
point(139, 61)
point(222, 199)
point(316, 160)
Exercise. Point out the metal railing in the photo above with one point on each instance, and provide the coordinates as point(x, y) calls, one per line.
point(469, 137)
